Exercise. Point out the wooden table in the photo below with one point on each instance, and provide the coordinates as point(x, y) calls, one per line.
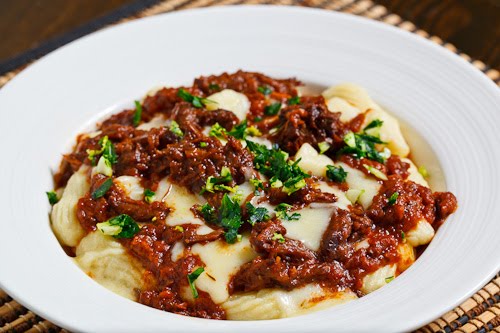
point(472, 25)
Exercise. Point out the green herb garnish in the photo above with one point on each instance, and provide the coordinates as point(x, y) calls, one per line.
point(212, 182)
point(203, 144)
point(101, 190)
point(274, 164)
point(278, 237)
point(228, 217)
point(214, 86)
point(282, 212)
point(393, 198)
point(336, 173)
point(149, 196)
point(174, 128)
point(256, 214)
point(52, 196)
point(294, 100)
point(179, 228)
point(362, 145)
point(137, 113)
point(376, 172)
point(196, 101)
point(239, 131)
point(258, 184)
point(373, 124)
point(265, 90)
point(107, 150)
point(403, 236)
point(389, 279)
point(208, 213)
point(121, 226)
point(323, 147)
point(272, 109)
point(217, 130)
point(423, 171)
point(192, 277)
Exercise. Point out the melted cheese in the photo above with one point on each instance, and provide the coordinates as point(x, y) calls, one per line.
point(312, 161)
point(177, 251)
point(357, 180)
point(132, 186)
point(342, 201)
point(156, 122)
point(221, 260)
point(230, 100)
point(180, 201)
point(276, 303)
point(313, 222)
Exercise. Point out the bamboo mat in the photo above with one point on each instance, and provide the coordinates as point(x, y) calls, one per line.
point(480, 313)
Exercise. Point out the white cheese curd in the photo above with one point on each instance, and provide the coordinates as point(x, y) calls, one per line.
point(65, 223)
point(230, 100)
point(347, 111)
point(131, 185)
point(421, 234)
point(106, 261)
point(156, 122)
point(311, 225)
point(222, 260)
point(378, 279)
point(311, 161)
point(277, 303)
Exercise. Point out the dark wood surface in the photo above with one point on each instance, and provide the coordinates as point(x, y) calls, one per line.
point(472, 25)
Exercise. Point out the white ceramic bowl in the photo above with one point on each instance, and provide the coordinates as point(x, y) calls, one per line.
point(453, 105)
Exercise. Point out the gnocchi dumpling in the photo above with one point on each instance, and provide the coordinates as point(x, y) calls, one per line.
point(357, 97)
point(275, 303)
point(378, 279)
point(65, 223)
point(421, 234)
point(106, 261)
point(230, 100)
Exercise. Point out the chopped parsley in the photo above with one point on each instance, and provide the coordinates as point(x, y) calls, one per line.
point(389, 279)
point(323, 147)
point(282, 212)
point(274, 164)
point(213, 183)
point(149, 196)
point(239, 131)
point(353, 195)
point(192, 277)
point(278, 237)
point(336, 173)
point(294, 100)
point(373, 124)
point(196, 101)
point(101, 190)
point(362, 145)
point(203, 144)
point(107, 150)
point(217, 130)
point(137, 113)
point(403, 236)
point(228, 217)
point(52, 196)
point(208, 213)
point(253, 131)
point(258, 184)
point(179, 228)
point(393, 198)
point(272, 109)
point(121, 226)
point(174, 128)
point(265, 90)
point(214, 86)
point(256, 214)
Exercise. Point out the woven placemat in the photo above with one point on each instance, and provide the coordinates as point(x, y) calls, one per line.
point(480, 313)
